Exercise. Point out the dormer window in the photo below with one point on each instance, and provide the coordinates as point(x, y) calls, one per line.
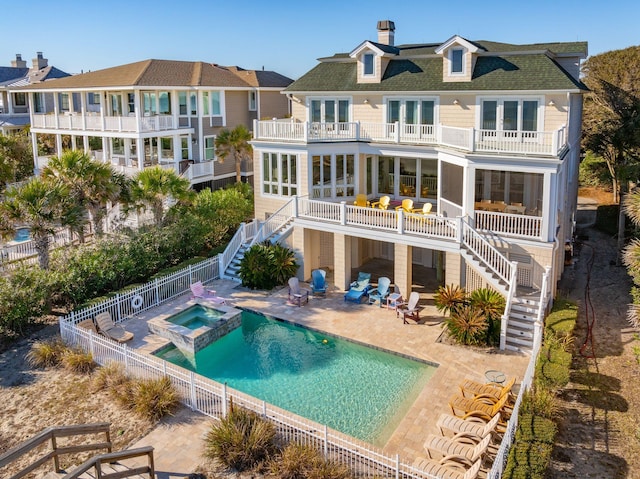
point(456, 57)
point(368, 64)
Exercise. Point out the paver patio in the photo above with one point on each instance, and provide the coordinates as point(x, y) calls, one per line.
point(364, 323)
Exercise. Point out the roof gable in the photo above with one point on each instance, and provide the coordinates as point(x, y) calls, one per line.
point(457, 40)
point(378, 48)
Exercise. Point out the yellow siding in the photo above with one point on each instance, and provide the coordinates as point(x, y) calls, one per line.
point(462, 115)
point(555, 116)
point(373, 112)
point(299, 109)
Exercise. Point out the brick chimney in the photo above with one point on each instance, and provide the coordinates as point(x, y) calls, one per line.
point(39, 62)
point(386, 29)
point(18, 62)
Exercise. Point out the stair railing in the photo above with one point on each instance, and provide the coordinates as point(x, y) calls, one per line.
point(96, 463)
point(51, 434)
point(488, 255)
point(538, 325)
point(504, 321)
point(276, 221)
point(232, 248)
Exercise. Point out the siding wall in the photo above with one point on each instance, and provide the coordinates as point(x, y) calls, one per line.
point(273, 105)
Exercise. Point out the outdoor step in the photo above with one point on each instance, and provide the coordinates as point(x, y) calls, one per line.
point(533, 303)
point(511, 347)
point(519, 323)
point(524, 309)
point(519, 333)
point(520, 342)
point(518, 315)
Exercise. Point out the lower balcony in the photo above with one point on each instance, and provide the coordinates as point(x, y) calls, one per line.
point(518, 142)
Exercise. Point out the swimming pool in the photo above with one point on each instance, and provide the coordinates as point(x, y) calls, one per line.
point(196, 316)
point(352, 388)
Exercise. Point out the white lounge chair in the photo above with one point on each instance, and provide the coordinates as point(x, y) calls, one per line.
point(114, 331)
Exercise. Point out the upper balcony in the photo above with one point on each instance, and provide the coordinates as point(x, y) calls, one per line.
point(518, 142)
point(96, 122)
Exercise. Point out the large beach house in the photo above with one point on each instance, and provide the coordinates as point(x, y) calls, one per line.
point(155, 112)
point(475, 143)
point(14, 107)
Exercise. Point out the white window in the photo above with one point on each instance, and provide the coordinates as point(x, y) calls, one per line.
point(329, 110)
point(193, 101)
point(93, 98)
point(333, 176)
point(456, 60)
point(64, 101)
point(510, 114)
point(38, 102)
point(209, 148)
point(279, 174)
point(368, 64)
point(184, 147)
point(216, 109)
point(182, 103)
point(252, 101)
point(205, 103)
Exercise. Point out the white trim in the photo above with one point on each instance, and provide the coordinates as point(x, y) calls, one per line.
point(463, 61)
point(370, 46)
point(457, 39)
point(499, 111)
point(364, 65)
point(255, 100)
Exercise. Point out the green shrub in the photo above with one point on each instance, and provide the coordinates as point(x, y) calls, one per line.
point(304, 462)
point(267, 265)
point(78, 361)
point(541, 402)
point(533, 428)
point(25, 296)
point(528, 460)
point(46, 353)
point(241, 440)
point(467, 325)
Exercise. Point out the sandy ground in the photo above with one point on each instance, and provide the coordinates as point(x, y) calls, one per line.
point(34, 399)
point(600, 429)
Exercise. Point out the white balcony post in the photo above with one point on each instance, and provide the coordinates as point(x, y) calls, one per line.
point(358, 130)
point(397, 131)
point(295, 206)
point(306, 131)
point(472, 139)
point(343, 212)
point(438, 128)
point(555, 142)
point(256, 133)
point(400, 218)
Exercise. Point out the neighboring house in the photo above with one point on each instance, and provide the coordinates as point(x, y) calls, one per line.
point(156, 112)
point(487, 132)
point(14, 107)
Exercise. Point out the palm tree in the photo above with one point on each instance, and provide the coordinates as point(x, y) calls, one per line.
point(152, 187)
point(91, 184)
point(235, 144)
point(40, 205)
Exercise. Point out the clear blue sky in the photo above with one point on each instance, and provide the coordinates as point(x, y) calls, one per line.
point(288, 36)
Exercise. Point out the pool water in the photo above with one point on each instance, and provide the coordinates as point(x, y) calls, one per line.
point(196, 316)
point(22, 235)
point(354, 389)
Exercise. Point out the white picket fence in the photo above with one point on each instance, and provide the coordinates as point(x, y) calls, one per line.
point(212, 398)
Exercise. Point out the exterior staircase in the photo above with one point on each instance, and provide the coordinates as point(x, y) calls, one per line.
point(523, 314)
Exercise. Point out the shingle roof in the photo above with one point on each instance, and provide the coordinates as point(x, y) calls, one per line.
point(12, 73)
point(152, 73)
point(261, 78)
point(504, 72)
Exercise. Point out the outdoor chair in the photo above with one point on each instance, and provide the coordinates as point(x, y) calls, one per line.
point(478, 407)
point(473, 427)
point(359, 288)
point(406, 206)
point(440, 446)
point(382, 203)
point(411, 309)
point(198, 291)
point(297, 295)
point(108, 328)
point(425, 210)
point(448, 468)
point(318, 282)
point(493, 391)
point(361, 200)
point(381, 292)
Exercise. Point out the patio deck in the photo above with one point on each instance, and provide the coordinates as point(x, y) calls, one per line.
point(373, 326)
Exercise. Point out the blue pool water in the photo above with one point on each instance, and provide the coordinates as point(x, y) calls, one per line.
point(22, 235)
point(196, 316)
point(358, 390)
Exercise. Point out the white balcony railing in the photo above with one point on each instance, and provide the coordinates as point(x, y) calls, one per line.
point(548, 143)
point(92, 122)
point(523, 226)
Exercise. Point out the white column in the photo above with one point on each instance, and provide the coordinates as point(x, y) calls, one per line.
point(140, 150)
point(469, 193)
point(58, 144)
point(549, 206)
point(34, 148)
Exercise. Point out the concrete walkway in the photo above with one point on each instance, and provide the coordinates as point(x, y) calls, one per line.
point(178, 441)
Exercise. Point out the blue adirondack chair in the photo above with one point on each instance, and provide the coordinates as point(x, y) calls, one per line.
point(381, 292)
point(359, 288)
point(318, 282)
